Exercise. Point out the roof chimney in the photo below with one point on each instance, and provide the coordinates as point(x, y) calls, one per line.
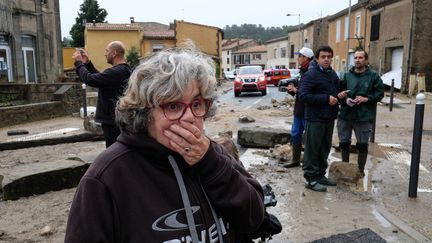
point(132, 20)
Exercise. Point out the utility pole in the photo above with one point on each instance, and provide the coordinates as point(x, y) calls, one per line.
point(348, 37)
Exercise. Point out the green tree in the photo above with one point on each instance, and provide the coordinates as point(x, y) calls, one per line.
point(89, 12)
point(132, 57)
point(258, 33)
point(66, 42)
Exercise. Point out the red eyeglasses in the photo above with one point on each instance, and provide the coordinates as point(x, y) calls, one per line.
point(175, 110)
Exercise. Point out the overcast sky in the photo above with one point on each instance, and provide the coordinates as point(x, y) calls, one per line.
point(209, 12)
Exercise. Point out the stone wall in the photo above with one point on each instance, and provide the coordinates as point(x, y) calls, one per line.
point(41, 102)
point(422, 53)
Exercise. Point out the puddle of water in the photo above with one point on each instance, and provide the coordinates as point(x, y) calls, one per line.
point(44, 135)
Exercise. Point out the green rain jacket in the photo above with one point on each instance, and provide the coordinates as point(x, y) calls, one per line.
point(367, 84)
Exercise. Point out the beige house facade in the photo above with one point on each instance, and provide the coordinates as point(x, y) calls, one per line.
point(347, 32)
point(277, 53)
point(255, 55)
point(230, 46)
point(151, 37)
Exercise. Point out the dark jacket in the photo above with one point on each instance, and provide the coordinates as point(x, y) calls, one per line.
point(299, 106)
point(130, 194)
point(367, 84)
point(110, 83)
point(317, 86)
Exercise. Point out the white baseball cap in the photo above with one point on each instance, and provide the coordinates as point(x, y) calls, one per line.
point(307, 52)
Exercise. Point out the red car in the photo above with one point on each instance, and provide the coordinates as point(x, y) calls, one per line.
point(250, 79)
point(274, 75)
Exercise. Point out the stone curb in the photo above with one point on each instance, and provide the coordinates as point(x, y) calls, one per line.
point(86, 136)
point(32, 179)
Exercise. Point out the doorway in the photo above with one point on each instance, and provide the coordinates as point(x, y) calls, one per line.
point(29, 65)
point(5, 65)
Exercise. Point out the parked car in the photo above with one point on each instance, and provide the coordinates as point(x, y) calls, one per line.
point(250, 79)
point(294, 72)
point(230, 75)
point(274, 75)
point(285, 82)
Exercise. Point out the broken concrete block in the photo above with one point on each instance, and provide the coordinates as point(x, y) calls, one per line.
point(262, 137)
point(342, 171)
point(282, 152)
point(245, 118)
point(32, 179)
point(91, 125)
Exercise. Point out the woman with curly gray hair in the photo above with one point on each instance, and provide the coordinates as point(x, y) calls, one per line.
point(164, 180)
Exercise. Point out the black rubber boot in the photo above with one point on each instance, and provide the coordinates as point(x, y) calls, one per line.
point(345, 151)
point(361, 160)
point(296, 155)
point(362, 157)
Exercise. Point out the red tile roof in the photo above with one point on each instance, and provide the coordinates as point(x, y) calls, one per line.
point(108, 26)
point(261, 48)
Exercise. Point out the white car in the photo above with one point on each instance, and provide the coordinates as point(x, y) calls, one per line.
point(395, 75)
point(294, 72)
point(231, 75)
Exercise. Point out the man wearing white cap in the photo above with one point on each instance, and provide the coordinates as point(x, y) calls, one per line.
point(305, 56)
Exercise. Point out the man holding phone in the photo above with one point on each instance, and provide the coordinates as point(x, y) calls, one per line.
point(110, 83)
point(358, 112)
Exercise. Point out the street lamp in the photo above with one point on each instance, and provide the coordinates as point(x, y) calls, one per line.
point(300, 39)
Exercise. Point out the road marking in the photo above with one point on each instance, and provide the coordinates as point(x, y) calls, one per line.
point(256, 102)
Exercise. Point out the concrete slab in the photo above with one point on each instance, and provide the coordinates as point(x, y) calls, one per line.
point(20, 143)
point(262, 137)
point(31, 179)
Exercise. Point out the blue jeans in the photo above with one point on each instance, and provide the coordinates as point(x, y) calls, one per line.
point(297, 129)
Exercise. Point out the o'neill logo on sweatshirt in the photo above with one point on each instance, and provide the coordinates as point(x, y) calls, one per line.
point(169, 221)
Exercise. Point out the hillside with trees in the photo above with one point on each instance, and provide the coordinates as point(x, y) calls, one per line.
point(256, 32)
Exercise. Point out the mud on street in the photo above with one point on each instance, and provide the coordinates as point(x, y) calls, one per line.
point(304, 214)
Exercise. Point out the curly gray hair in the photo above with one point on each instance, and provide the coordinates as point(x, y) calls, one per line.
point(163, 77)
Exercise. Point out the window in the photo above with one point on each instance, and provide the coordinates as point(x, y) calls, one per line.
point(256, 57)
point(283, 52)
point(228, 60)
point(247, 59)
point(338, 26)
point(357, 27)
point(346, 28)
point(292, 51)
point(157, 47)
point(44, 2)
point(375, 26)
point(227, 52)
point(306, 40)
point(275, 53)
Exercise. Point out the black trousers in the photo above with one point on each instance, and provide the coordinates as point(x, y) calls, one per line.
point(111, 132)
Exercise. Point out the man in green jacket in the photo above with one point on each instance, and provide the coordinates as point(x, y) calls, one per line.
point(365, 89)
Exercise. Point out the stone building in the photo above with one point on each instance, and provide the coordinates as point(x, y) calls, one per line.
point(232, 45)
point(277, 53)
point(30, 41)
point(254, 55)
point(315, 33)
point(396, 33)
